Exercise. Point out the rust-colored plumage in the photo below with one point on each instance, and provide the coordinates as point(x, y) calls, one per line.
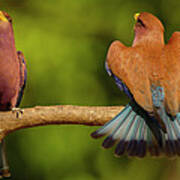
point(12, 77)
point(150, 72)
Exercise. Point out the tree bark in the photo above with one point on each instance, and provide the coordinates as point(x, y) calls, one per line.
point(50, 115)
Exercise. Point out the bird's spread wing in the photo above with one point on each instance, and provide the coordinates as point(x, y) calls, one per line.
point(129, 66)
point(171, 81)
point(23, 76)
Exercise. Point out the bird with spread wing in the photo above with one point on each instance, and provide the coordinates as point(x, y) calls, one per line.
point(148, 72)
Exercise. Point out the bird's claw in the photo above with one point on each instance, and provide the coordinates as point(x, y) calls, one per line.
point(18, 112)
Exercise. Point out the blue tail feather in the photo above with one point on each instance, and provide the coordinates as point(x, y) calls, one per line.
point(129, 130)
point(133, 133)
point(140, 146)
point(171, 138)
point(118, 131)
point(177, 141)
point(132, 139)
point(141, 143)
point(111, 125)
point(125, 136)
point(123, 132)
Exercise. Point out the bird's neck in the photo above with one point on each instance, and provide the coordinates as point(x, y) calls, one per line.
point(7, 38)
point(153, 40)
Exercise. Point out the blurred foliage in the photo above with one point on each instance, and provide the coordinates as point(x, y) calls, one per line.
point(65, 43)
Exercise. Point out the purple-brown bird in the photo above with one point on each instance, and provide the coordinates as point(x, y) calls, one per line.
point(148, 72)
point(12, 78)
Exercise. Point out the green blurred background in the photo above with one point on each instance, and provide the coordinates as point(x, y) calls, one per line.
point(65, 44)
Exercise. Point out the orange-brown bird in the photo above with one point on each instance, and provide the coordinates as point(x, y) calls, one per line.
point(148, 72)
point(12, 78)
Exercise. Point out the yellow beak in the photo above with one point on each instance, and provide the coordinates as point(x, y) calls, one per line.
point(136, 16)
point(2, 17)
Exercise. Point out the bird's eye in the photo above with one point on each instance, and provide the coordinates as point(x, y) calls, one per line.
point(139, 21)
point(9, 19)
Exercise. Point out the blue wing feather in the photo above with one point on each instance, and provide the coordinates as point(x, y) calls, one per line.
point(119, 83)
point(21, 91)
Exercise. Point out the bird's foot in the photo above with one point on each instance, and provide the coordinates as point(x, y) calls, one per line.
point(18, 112)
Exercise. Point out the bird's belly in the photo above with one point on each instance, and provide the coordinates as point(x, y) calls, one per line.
point(8, 89)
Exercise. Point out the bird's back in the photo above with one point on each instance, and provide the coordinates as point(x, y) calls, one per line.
point(138, 68)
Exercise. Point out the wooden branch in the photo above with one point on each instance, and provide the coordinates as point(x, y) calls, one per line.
point(49, 115)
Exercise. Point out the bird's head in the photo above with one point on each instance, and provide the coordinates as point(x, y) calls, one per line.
point(147, 26)
point(5, 24)
point(4, 17)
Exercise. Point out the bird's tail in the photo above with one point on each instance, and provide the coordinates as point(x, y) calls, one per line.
point(136, 133)
point(4, 168)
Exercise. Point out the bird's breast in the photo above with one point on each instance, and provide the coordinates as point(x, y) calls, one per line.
point(9, 80)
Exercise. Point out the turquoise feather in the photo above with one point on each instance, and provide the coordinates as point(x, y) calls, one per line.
point(134, 137)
